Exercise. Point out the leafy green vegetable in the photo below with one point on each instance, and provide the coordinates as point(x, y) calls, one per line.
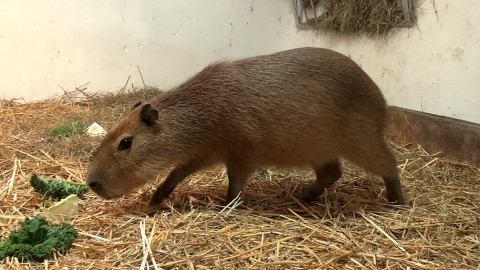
point(37, 239)
point(76, 127)
point(57, 189)
point(263, 171)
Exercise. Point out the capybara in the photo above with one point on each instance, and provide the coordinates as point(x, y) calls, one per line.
point(304, 107)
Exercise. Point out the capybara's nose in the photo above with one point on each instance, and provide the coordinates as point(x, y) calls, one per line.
point(96, 182)
point(93, 181)
point(93, 185)
point(97, 187)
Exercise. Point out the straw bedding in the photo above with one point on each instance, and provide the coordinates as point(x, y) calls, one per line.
point(351, 227)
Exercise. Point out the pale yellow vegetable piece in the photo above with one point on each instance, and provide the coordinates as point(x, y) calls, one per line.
point(96, 130)
point(61, 211)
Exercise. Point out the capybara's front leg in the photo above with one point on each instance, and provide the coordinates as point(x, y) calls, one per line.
point(175, 177)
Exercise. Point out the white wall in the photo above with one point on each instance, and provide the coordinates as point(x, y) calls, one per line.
point(48, 45)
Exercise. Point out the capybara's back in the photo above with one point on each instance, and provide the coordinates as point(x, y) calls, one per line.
point(303, 107)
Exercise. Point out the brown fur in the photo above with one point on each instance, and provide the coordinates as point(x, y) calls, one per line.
point(303, 107)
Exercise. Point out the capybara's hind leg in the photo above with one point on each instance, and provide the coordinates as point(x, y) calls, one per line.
point(394, 189)
point(238, 175)
point(327, 174)
point(377, 158)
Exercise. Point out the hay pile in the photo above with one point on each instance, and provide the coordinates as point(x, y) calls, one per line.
point(350, 228)
point(355, 17)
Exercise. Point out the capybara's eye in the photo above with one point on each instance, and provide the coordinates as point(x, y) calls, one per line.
point(125, 143)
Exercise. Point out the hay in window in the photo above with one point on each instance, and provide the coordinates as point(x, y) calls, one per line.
point(356, 17)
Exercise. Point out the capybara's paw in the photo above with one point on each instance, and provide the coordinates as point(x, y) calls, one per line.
point(152, 208)
point(305, 196)
point(225, 205)
point(401, 205)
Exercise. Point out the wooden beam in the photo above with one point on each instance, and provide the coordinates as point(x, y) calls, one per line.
point(458, 140)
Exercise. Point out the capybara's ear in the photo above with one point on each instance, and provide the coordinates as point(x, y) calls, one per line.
point(136, 104)
point(148, 115)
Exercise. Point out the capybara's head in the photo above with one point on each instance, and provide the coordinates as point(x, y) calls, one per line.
point(123, 161)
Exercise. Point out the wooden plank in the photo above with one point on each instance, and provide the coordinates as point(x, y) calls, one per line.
point(458, 140)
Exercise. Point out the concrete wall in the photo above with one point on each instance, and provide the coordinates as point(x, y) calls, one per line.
point(49, 45)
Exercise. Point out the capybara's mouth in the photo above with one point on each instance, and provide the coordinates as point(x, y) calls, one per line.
point(106, 195)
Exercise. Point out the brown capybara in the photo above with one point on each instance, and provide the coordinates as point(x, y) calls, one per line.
point(304, 107)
